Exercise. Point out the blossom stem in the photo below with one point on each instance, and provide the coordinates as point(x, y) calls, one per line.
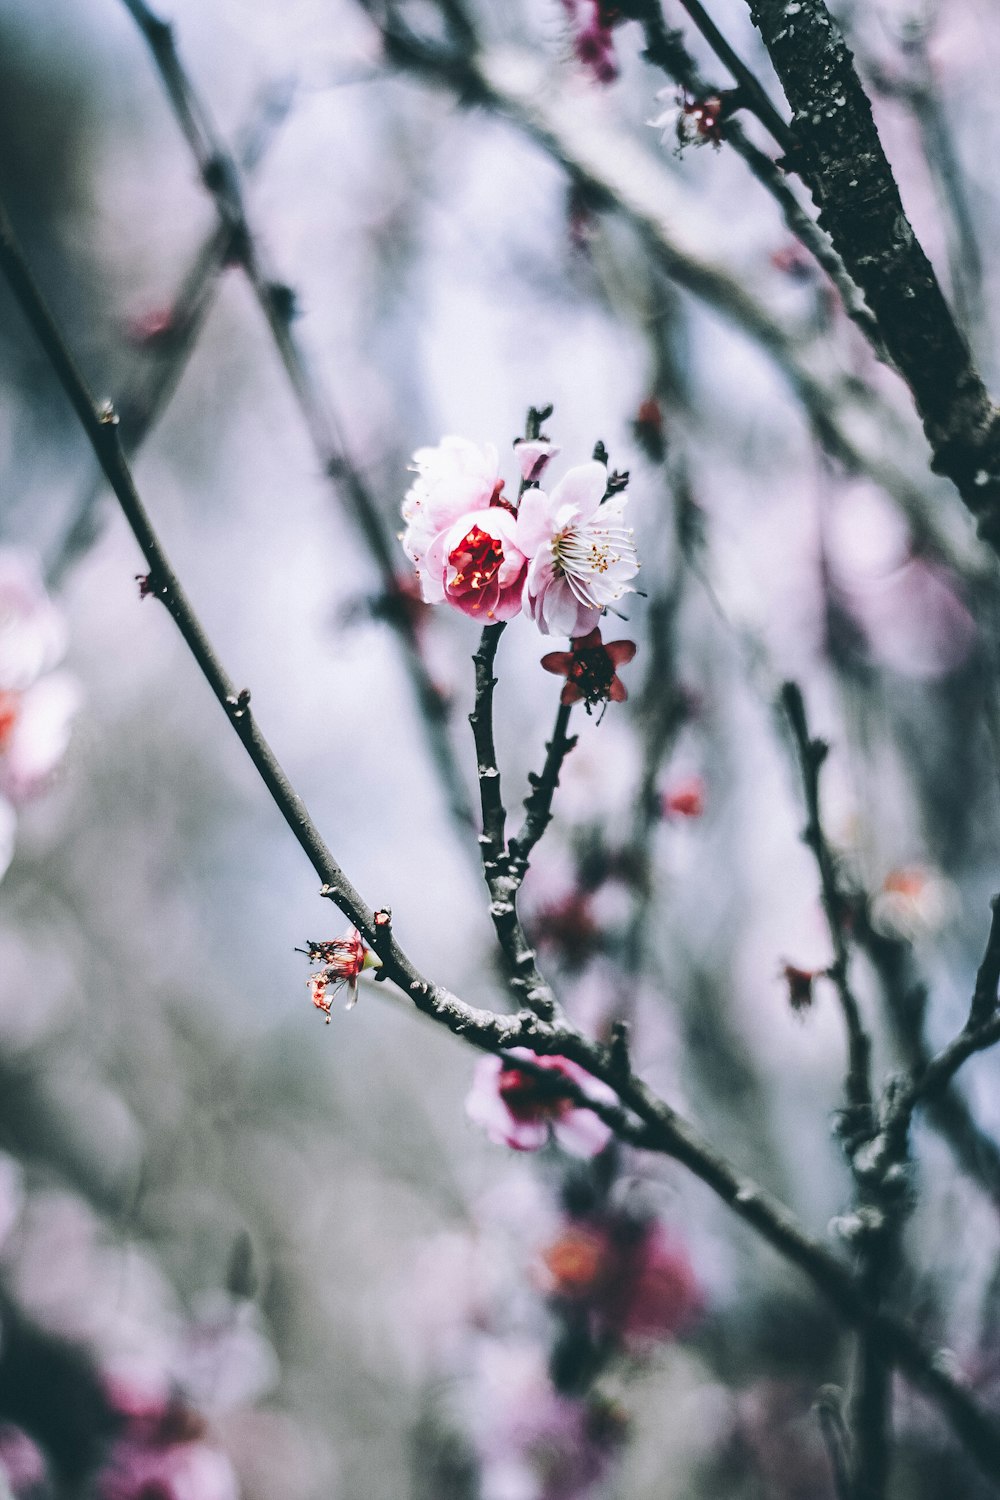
point(499, 870)
point(538, 803)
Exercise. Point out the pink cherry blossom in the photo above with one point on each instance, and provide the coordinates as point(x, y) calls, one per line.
point(582, 556)
point(683, 798)
point(185, 1470)
point(23, 1470)
point(461, 532)
point(535, 1443)
point(521, 1109)
point(635, 1280)
point(342, 960)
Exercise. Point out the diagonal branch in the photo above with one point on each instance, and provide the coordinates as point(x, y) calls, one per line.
point(840, 157)
point(150, 394)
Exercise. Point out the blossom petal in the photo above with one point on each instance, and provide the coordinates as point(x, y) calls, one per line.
point(534, 522)
point(620, 651)
point(581, 489)
point(582, 1133)
point(533, 456)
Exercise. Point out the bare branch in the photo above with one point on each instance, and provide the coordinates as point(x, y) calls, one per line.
point(538, 803)
point(811, 754)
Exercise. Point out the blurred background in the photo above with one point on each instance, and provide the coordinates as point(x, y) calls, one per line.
point(244, 1253)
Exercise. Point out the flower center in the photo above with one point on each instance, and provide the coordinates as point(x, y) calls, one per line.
point(584, 554)
point(531, 1097)
point(476, 561)
point(593, 672)
point(9, 711)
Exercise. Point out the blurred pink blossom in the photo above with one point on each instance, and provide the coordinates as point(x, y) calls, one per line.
point(684, 798)
point(523, 1110)
point(534, 1442)
point(912, 902)
point(635, 1279)
point(37, 704)
point(161, 1455)
point(593, 44)
point(22, 1463)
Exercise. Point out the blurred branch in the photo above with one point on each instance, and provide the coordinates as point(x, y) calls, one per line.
point(830, 1415)
point(920, 93)
point(840, 157)
point(981, 1030)
point(220, 175)
point(658, 1126)
point(811, 755)
point(878, 1174)
point(150, 393)
point(665, 48)
point(502, 883)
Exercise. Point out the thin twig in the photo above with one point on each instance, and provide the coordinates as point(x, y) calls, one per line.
point(502, 883)
point(150, 393)
point(220, 175)
point(811, 754)
point(830, 1415)
point(538, 803)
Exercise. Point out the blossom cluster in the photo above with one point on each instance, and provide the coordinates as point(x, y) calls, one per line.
point(560, 557)
point(37, 702)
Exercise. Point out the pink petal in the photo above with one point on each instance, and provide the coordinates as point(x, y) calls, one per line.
point(582, 1133)
point(533, 455)
point(535, 527)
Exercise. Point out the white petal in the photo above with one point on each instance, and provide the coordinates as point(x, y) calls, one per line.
point(582, 489)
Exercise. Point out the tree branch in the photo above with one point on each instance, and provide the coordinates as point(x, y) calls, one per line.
point(840, 157)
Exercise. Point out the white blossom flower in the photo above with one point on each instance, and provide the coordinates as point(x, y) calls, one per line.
point(582, 555)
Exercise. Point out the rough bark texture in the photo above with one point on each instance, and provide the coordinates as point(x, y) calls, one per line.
point(840, 157)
